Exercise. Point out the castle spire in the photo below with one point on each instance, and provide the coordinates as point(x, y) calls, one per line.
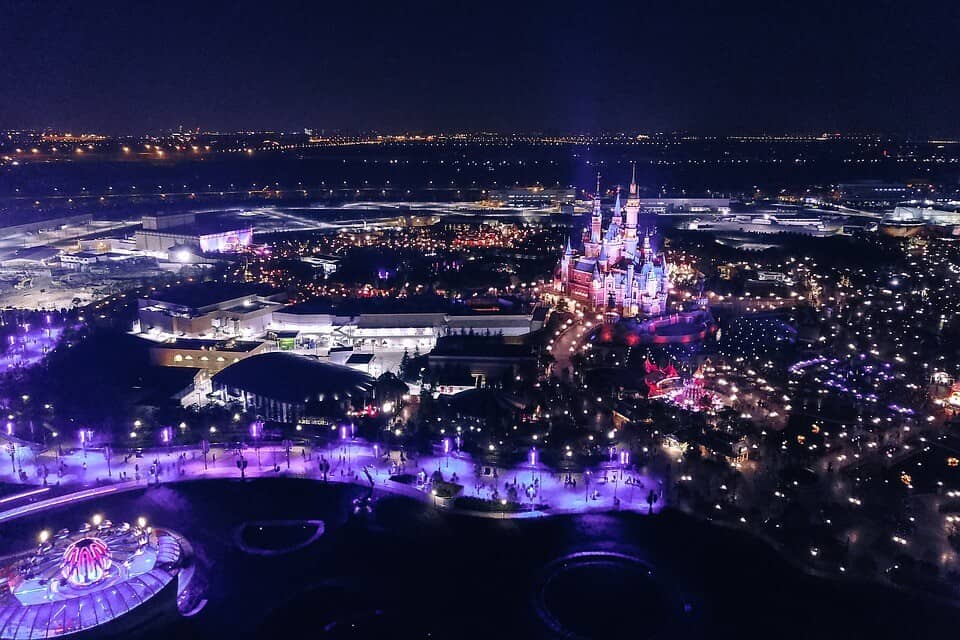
point(616, 205)
point(633, 180)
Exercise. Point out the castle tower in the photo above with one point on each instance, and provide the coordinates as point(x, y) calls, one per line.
point(629, 309)
point(617, 210)
point(597, 218)
point(565, 264)
point(633, 211)
point(597, 287)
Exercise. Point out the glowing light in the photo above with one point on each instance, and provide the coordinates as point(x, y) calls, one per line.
point(86, 561)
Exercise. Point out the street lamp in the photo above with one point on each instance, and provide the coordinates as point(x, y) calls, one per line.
point(343, 438)
point(256, 431)
point(624, 460)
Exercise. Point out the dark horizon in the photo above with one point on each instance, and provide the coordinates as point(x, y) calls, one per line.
point(745, 67)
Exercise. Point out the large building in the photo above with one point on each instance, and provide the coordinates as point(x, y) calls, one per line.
point(532, 197)
point(394, 327)
point(684, 206)
point(617, 270)
point(207, 310)
point(166, 234)
point(285, 387)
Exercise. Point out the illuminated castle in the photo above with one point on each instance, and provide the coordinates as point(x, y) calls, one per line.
point(617, 270)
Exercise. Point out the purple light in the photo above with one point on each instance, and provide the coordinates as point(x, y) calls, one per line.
point(343, 432)
point(166, 435)
point(256, 429)
point(9, 428)
point(226, 242)
point(446, 446)
point(624, 457)
point(86, 561)
point(533, 456)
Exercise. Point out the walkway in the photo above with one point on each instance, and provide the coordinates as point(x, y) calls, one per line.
point(85, 476)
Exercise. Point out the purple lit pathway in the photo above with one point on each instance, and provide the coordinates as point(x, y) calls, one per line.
point(85, 475)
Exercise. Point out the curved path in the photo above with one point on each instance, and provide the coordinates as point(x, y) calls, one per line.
point(86, 477)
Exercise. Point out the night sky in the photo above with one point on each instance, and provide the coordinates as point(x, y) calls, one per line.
point(707, 67)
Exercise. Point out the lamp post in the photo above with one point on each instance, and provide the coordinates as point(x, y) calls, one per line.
point(533, 458)
point(624, 460)
point(256, 431)
point(166, 437)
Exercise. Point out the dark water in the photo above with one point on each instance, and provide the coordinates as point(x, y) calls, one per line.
point(408, 571)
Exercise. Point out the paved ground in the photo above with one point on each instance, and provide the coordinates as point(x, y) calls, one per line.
point(355, 462)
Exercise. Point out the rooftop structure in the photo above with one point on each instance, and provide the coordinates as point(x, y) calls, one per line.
point(162, 233)
point(211, 309)
point(93, 578)
point(284, 386)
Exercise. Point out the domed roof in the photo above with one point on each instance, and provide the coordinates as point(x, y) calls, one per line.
point(85, 562)
point(292, 377)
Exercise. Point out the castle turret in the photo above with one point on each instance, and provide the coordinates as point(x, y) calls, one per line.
point(565, 264)
point(617, 211)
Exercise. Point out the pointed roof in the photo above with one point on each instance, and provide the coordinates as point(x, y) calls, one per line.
point(633, 180)
point(569, 250)
point(616, 205)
